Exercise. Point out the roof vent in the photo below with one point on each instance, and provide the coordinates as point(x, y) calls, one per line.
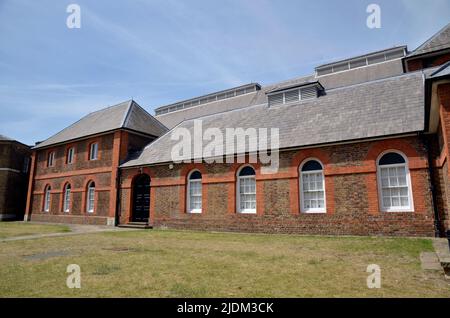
point(294, 94)
point(362, 61)
point(229, 93)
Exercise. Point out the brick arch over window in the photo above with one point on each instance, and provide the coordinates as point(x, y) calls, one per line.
point(294, 193)
point(89, 179)
point(416, 165)
point(63, 194)
point(184, 174)
point(44, 197)
point(232, 186)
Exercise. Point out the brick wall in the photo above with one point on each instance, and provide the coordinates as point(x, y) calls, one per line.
point(113, 148)
point(421, 63)
point(351, 194)
point(439, 151)
point(13, 179)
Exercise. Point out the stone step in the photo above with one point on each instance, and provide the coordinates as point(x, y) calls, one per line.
point(443, 253)
point(136, 225)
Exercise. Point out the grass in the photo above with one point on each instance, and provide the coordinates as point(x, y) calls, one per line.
point(166, 263)
point(14, 229)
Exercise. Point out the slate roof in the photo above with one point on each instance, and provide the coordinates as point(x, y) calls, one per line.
point(5, 138)
point(437, 42)
point(126, 115)
point(329, 81)
point(373, 109)
point(442, 71)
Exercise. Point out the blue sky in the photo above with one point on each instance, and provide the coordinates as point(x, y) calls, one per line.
point(158, 52)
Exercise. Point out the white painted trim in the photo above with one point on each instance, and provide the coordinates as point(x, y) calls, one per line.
point(89, 208)
point(356, 68)
point(312, 210)
point(219, 100)
point(410, 208)
point(188, 196)
point(10, 170)
point(238, 192)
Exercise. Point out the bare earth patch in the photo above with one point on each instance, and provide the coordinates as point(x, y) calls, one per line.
point(165, 263)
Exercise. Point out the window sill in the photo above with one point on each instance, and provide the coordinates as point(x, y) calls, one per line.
point(397, 211)
point(314, 212)
point(246, 212)
point(194, 212)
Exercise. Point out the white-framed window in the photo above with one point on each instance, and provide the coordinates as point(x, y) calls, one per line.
point(194, 191)
point(90, 199)
point(93, 151)
point(246, 190)
point(47, 198)
point(66, 207)
point(51, 159)
point(394, 183)
point(312, 185)
point(70, 155)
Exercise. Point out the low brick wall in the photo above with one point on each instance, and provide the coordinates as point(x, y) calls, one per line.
point(69, 219)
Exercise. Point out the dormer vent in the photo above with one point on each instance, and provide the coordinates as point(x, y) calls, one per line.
point(293, 94)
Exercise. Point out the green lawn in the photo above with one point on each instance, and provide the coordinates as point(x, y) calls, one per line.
point(13, 229)
point(166, 263)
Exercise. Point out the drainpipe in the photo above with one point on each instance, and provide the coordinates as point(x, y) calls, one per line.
point(119, 195)
point(437, 221)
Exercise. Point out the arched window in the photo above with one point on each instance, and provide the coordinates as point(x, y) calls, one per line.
point(47, 198)
point(312, 185)
point(246, 190)
point(394, 183)
point(90, 199)
point(194, 192)
point(66, 207)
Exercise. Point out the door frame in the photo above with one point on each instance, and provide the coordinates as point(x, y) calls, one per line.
point(133, 199)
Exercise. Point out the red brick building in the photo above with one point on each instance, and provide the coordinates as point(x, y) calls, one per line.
point(74, 174)
point(363, 146)
point(14, 166)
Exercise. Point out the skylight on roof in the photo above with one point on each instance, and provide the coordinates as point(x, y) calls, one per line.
point(229, 93)
point(361, 61)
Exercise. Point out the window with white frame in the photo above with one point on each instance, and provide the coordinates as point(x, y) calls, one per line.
point(93, 151)
point(90, 204)
point(394, 183)
point(70, 155)
point(66, 207)
point(51, 159)
point(312, 185)
point(194, 191)
point(246, 190)
point(47, 198)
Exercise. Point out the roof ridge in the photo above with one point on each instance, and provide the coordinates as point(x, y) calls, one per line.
point(432, 37)
point(127, 113)
point(76, 122)
point(151, 116)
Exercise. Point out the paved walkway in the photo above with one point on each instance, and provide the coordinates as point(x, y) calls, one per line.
point(75, 229)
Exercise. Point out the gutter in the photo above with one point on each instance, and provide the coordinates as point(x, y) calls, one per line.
point(437, 220)
point(118, 196)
